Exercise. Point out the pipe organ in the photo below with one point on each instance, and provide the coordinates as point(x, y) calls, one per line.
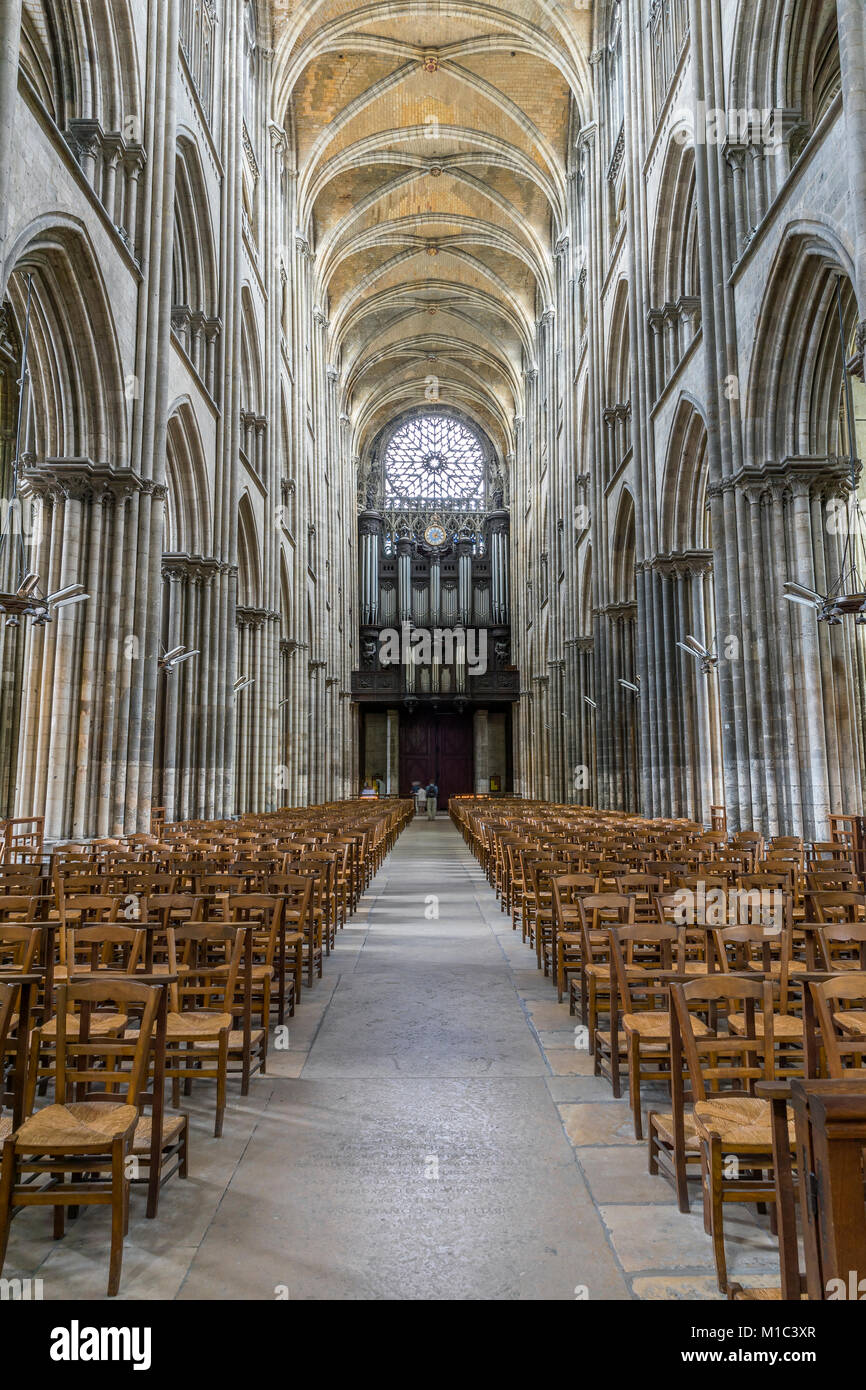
point(434, 611)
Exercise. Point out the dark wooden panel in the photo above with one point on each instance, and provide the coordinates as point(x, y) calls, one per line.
point(437, 746)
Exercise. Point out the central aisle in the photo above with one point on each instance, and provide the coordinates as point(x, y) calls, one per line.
point(420, 1154)
point(430, 1133)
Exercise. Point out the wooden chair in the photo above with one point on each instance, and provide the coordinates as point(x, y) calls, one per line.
point(325, 863)
point(750, 840)
point(263, 913)
point(200, 1028)
point(748, 947)
point(8, 1000)
point(840, 1007)
point(542, 872)
point(513, 882)
point(597, 912)
point(71, 1141)
point(842, 946)
point(643, 958)
point(295, 931)
point(83, 909)
point(731, 1123)
point(314, 921)
point(567, 889)
point(15, 907)
point(107, 949)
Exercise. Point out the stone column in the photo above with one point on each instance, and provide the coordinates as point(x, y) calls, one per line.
point(10, 33)
point(481, 742)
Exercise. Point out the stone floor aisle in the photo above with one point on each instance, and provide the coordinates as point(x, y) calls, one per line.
point(431, 1133)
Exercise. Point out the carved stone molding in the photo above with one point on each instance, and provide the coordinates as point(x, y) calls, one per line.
point(80, 480)
point(683, 562)
point(176, 566)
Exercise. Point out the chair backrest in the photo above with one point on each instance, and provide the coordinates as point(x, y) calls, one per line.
point(108, 946)
point(20, 878)
point(96, 1065)
point(542, 872)
point(646, 945)
point(720, 1058)
point(644, 889)
point(746, 945)
point(209, 884)
point(606, 909)
point(567, 888)
point(18, 907)
point(175, 907)
point(784, 842)
point(840, 1005)
point(671, 870)
point(836, 941)
point(830, 850)
point(203, 948)
point(832, 880)
point(296, 891)
point(837, 906)
point(19, 945)
point(262, 912)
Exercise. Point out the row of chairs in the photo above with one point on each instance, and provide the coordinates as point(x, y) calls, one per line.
point(730, 993)
point(132, 966)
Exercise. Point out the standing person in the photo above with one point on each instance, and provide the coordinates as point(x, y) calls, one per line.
point(432, 800)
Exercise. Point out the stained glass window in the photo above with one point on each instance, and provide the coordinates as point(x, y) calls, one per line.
point(434, 458)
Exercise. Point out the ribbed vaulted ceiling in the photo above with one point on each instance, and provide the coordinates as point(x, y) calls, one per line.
point(431, 148)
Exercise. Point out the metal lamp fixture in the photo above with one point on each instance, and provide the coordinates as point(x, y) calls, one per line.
point(705, 655)
point(169, 660)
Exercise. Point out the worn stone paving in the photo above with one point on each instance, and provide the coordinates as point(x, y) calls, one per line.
point(432, 1132)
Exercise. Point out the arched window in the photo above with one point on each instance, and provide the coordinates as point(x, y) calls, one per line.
point(434, 458)
point(198, 21)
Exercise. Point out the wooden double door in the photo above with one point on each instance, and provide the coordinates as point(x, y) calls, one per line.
point(437, 747)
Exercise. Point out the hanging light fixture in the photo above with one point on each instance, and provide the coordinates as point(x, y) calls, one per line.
point(25, 601)
point(848, 594)
point(631, 685)
point(242, 682)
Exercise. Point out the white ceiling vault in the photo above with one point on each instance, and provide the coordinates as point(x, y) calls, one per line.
point(430, 142)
